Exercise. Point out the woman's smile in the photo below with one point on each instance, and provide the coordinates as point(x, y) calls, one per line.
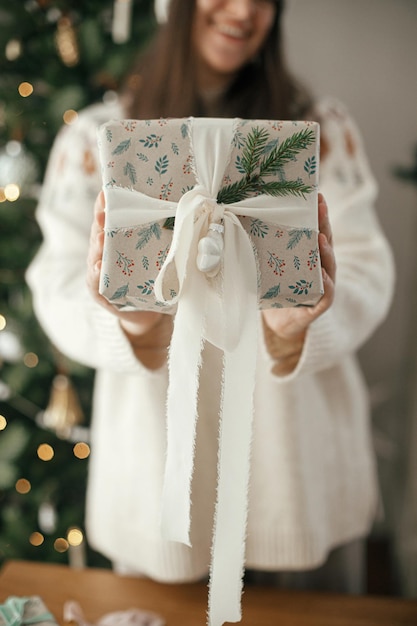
point(228, 34)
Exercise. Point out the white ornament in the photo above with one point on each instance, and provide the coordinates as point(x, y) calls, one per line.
point(210, 250)
point(122, 21)
point(161, 10)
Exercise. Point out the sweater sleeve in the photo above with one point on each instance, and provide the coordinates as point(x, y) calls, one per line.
point(365, 273)
point(78, 326)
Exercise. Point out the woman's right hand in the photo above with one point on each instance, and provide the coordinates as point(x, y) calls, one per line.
point(149, 332)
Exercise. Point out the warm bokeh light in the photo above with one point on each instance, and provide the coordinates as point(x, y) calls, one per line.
point(70, 116)
point(45, 452)
point(61, 544)
point(13, 49)
point(31, 359)
point(11, 192)
point(2, 195)
point(3, 422)
point(81, 450)
point(25, 89)
point(23, 486)
point(75, 537)
point(36, 539)
point(2, 322)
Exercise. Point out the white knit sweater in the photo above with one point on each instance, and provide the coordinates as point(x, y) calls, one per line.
point(313, 480)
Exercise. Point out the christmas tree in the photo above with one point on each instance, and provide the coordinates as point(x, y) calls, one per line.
point(56, 56)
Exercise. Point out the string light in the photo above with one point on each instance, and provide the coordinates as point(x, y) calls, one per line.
point(81, 450)
point(75, 536)
point(23, 486)
point(76, 554)
point(61, 544)
point(45, 452)
point(70, 116)
point(31, 359)
point(13, 49)
point(36, 539)
point(2, 322)
point(25, 89)
point(12, 192)
point(66, 42)
point(3, 422)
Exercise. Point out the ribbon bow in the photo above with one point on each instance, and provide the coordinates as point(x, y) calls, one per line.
point(221, 309)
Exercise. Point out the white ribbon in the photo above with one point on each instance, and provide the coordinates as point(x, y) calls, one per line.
point(224, 311)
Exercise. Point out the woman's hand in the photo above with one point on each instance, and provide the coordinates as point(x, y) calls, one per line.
point(285, 329)
point(149, 332)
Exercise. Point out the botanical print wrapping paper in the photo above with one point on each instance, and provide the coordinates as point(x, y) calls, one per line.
point(158, 158)
point(18, 611)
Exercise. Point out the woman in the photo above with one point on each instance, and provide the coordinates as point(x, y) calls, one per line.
point(313, 481)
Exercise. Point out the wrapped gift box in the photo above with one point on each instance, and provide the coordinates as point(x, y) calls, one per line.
point(18, 611)
point(266, 172)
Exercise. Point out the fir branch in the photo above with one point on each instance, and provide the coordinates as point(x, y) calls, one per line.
point(169, 223)
point(285, 188)
point(286, 151)
point(254, 184)
point(235, 192)
point(254, 147)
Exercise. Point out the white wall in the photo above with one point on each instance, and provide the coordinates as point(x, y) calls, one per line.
point(365, 53)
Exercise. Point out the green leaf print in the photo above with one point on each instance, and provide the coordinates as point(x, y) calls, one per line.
point(310, 165)
point(258, 228)
point(146, 234)
point(121, 292)
point(130, 172)
point(151, 141)
point(122, 147)
point(161, 165)
point(147, 288)
point(301, 287)
point(273, 292)
point(295, 236)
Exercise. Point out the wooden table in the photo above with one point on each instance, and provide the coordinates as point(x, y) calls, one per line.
point(101, 591)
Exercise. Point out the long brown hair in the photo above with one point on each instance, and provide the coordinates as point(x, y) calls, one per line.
point(166, 87)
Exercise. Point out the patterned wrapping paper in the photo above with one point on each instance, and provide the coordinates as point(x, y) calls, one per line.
point(18, 611)
point(158, 159)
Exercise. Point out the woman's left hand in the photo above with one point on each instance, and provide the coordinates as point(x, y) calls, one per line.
point(291, 324)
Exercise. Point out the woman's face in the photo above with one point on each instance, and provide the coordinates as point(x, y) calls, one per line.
point(227, 34)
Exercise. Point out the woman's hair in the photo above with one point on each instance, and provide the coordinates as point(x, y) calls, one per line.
point(165, 84)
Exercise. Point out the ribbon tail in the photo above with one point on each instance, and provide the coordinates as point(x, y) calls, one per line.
point(184, 368)
point(228, 552)
point(241, 317)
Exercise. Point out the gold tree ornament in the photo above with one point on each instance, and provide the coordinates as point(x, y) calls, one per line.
point(66, 42)
point(64, 411)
